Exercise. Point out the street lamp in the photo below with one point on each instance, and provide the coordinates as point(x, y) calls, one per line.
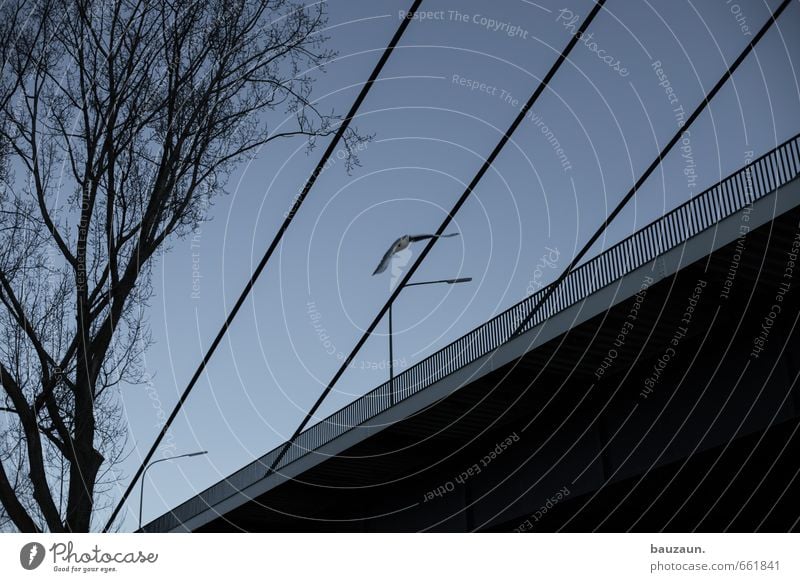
point(141, 492)
point(391, 342)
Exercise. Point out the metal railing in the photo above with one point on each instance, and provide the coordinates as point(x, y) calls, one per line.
point(745, 186)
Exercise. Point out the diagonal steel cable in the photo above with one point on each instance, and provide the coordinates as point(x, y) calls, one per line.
point(266, 257)
point(657, 162)
point(484, 168)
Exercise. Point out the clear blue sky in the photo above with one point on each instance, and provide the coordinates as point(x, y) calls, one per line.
point(431, 133)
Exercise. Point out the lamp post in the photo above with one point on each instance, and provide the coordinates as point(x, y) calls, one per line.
point(391, 341)
point(141, 492)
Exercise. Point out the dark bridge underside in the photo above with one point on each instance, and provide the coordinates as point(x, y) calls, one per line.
point(712, 447)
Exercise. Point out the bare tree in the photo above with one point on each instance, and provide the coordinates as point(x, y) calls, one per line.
point(119, 121)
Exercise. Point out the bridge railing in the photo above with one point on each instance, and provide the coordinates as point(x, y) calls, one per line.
point(738, 190)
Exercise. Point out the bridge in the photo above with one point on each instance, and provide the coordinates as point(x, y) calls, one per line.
point(656, 388)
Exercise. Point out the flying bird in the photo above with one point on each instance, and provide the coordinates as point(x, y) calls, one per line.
point(401, 244)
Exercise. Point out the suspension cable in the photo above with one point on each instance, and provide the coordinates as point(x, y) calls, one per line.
point(632, 192)
point(484, 168)
point(265, 259)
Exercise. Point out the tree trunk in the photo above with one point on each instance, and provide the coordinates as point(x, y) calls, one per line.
point(82, 477)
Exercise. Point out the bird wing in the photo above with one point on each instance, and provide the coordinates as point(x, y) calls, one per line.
point(386, 258)
point(419, 237)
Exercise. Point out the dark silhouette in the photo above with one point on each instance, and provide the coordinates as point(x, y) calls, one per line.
point(119, 124)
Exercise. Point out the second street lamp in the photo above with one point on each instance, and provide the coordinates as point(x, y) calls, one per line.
point(141, 492)
point(391, 341)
